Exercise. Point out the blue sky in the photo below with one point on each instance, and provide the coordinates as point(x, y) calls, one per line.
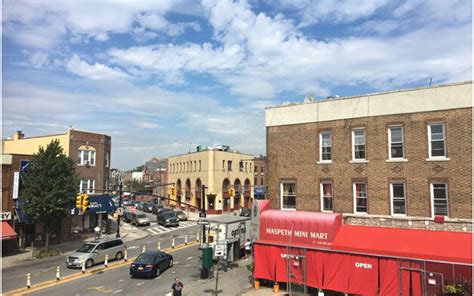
point(161, 77)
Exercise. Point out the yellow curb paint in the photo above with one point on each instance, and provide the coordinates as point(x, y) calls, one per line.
point(52, 283)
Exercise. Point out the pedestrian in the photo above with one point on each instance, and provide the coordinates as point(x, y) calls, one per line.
point(97, 232)
point(177, 288)
point(248, 249)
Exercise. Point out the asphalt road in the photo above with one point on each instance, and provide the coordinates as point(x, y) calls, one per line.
point(44, 270)
point(118, 281)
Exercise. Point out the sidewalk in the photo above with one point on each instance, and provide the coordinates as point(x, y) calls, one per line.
point(127, 232)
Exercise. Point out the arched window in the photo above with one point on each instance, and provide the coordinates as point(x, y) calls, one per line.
point(86, 155)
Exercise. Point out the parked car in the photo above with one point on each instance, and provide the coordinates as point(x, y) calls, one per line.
point(126, 202)
point(148, 207)
point(151, 264)
point(128, 217)
point(94, 252)
point(167, 218)
point(181, 215)
point(139, 205)
point(156, 207)
point(159, 210)
point(140, 219)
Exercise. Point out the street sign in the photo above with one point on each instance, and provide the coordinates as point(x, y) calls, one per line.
point(203, 222)
point(220, 250)
point(16, 184)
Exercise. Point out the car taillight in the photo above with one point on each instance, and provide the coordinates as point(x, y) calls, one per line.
point(149, 266)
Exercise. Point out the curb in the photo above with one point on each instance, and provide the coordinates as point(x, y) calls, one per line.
point(69, 278)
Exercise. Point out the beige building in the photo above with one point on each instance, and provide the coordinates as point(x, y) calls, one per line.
point(217, 168)
point(400, 158)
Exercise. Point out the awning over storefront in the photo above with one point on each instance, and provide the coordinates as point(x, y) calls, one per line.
point(100, 204)
point(7, 231)
point(441, 246)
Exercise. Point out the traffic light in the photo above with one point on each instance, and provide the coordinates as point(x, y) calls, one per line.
point(79, 202)
point(232, 192)
point(85, 202)
point(173, 191)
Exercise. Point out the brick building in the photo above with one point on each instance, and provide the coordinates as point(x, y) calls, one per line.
point(91, 155)
point(156, 175)
point(219, 169)
point(399, 158)
point(260, 182)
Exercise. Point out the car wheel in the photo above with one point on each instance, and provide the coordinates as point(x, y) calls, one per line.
point(157, 274)
point(118, 256)
point(171, 262)
point(89, 263)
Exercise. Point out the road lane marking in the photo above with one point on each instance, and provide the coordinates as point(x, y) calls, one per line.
point(152, 231)
point(132, 247)
point(100, 287)
point(140, 283)
point(118, 291)
point(189, 258)
point(121, 280)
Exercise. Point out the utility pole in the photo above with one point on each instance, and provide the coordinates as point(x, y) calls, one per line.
point(120, 205)
point(203, 209)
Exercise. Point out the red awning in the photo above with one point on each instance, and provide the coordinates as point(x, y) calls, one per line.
point(441, 246)
point(7, 231)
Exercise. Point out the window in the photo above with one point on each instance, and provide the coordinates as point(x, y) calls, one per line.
point(223, 165)
point(288, 196)
point(436, 140)
point(358, 144)
point(360, 198)
point(397, 196)
point(326, 197)
point(199, 165)
point(107, 159)
point(86, 157)
point(395, 142)
point(229, 165)
point(87, 186)
point(325, 147)
point(439, 198)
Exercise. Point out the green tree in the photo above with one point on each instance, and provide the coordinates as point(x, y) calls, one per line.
point(50, 187)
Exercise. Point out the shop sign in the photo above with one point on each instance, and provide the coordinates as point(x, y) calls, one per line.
point(4, 216)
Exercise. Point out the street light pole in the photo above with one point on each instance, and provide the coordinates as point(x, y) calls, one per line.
point(203, 209)
point(120, 206)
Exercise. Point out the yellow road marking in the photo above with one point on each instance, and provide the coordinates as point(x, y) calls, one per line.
point(69, 278)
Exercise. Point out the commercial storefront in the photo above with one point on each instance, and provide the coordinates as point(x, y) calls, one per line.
point(96, 215)
point(307, 250)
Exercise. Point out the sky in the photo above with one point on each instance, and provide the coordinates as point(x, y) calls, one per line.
point(161, 77)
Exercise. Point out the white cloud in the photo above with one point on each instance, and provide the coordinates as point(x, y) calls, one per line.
point(147, 124)
point(95, 72)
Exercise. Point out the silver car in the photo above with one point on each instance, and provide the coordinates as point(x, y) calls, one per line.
point(94, 252)
point(140, 219)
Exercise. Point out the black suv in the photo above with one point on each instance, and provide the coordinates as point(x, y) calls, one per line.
point(167, 218)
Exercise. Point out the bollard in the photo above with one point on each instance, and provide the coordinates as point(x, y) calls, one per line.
point(256, 284)
point(185, 239)
point(28, 280)
point(197, 236)
point(144, 248)
point(58, 275)
point(106, 262)
point(159, 246)
point(172, 243)
point(83, 267)
point(125, 255)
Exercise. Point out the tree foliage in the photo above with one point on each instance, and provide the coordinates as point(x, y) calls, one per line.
point(50, 185)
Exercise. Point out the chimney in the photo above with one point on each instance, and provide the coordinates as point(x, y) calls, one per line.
point(18, 135)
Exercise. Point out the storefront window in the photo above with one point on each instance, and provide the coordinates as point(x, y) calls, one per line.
point(288, 196)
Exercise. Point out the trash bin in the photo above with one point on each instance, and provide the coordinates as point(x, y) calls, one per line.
point(206, 262)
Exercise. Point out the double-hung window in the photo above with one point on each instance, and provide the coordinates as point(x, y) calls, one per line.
point(398, 198)
point(395, 142)
point(358, 144)
point(437, 140)
point(325, 147)
point(86, 157)
point(439, 199)
point(327, 204)
point(360, 198)
point(288, 195)
point(87, 186)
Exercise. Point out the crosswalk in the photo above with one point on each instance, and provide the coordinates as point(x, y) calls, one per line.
point(161, 229)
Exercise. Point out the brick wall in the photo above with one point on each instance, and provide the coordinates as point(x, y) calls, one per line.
point(293, 152)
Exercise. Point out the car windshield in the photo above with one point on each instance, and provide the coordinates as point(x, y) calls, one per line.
point(168, 215)
point(86, 248)
point(146, 258)
point(141, 216)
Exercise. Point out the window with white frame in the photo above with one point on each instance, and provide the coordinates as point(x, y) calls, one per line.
point(395, 142)
point(325, 146)
point(288, 195)
point(437, 144)
point(358, 144)
point(326, 196)
point(107, 156)
point(360, 198)
point(87, 186)
point(86, 157)
point(398, 198)
point(439, 199)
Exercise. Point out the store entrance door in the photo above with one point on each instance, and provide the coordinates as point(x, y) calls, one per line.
point(296, 271)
